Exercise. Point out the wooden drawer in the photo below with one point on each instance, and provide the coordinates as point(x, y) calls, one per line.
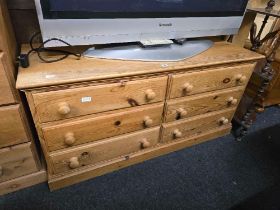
point(16, 161)
point(6, 96)
point(12, 129)
point(69, 103)
point(102, 126)
point(104, 151)
point(205, 81)
point(203, 103)
point(196, 125)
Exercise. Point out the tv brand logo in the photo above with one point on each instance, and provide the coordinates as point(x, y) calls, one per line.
point(165, 24)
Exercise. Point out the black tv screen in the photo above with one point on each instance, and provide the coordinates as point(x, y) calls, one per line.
point(81, 9)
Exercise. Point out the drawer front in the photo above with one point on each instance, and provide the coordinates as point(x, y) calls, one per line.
point(196, 125)
point(190, 106)
point(6, 96)
point(103, 151)
point(62, 104)
point(205, 81)
point(11, 126)
point(16, 161)
point(107, 125)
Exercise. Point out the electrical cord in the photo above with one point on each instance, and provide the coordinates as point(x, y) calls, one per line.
point(24, 58)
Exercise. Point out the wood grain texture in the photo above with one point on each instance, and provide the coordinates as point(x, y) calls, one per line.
point(23, 182)
point(57, 182)
point(72, 70)
point(104, 151)
point(7, 37)
point(94, 99)
point(94, 128)
point(196, 125)
point(12, 129)
point(17, 161)
point(202, 103)
point(37, 124)
point(7, 95)
point(205, 81)
point(8, 52)
point(244, 31)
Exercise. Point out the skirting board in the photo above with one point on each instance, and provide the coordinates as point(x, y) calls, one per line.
point(23, 182)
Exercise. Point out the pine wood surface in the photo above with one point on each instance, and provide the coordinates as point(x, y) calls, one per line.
point(12, 129)
point(16, 161)
point(205, 81)
point(113, 148)
point(95, 99)
point(243, 34)
point(195, 125)
point(23, 182)
point(8, 42)
point(94, 128)
point(202, 103)
point(7, 94)
point(72, 70)
point(57, 182)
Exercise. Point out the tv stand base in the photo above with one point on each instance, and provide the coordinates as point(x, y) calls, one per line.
point(173, 52)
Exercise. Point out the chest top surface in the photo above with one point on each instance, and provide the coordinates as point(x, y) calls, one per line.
point(71, 70)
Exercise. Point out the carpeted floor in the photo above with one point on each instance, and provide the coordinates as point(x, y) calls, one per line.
point(220, 174)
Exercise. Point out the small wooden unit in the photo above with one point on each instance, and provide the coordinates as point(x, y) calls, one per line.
point(20, 165)
point(95, 116)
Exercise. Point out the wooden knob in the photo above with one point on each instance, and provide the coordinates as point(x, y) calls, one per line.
point(145, 144)
point(177, 134)
point(241, 78)
point(232, 101)
point(150, 95)
point(188, 87)
point(223, 121)
point(74, 163)
point(148, 122)
point(1, 171)
point(69, 139)
point(64, 108)
point(182, 112)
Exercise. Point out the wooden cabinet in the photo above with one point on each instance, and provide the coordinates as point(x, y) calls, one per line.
point(20, 166)
point(113, 114)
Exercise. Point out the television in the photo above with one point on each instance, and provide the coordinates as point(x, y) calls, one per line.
point(88, 22)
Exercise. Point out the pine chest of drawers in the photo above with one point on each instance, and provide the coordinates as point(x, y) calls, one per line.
point(20, 165)
point(95, 116)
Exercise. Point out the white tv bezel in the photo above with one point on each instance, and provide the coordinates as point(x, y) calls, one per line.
point(105, 31)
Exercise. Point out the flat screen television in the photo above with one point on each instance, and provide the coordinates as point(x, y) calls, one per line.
point(87, 22)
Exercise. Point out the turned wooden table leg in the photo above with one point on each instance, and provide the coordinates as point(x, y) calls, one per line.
point(266, 75)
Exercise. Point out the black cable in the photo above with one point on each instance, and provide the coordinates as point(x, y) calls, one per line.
point(24, 58)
